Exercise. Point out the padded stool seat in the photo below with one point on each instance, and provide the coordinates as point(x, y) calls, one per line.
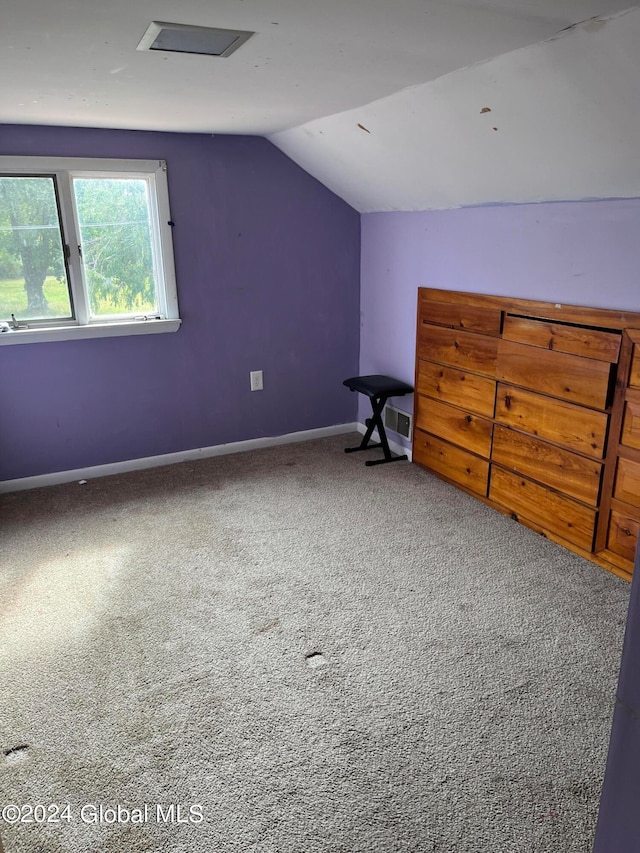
point(378, 388)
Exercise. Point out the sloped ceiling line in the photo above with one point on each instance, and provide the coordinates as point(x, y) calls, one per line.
point(564, 124)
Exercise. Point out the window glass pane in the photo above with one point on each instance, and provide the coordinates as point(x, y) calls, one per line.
point(117, 246)
point(33, 279)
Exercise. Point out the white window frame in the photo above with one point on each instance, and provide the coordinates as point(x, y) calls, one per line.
point(64, 170)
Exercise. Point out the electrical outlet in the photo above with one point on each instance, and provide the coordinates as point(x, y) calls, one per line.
point(256, 380)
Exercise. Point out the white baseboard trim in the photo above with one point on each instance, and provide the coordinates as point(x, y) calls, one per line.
point(394, 446)
point(94, 471)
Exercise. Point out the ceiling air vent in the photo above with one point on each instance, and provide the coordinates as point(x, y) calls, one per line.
point(183, 38)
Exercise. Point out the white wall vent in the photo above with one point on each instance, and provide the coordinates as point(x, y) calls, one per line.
point(398, 421)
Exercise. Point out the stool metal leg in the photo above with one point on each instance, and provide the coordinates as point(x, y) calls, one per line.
point(364, 444)
point(377, 405)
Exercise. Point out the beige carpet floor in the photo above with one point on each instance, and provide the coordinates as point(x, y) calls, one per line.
point(284, 651)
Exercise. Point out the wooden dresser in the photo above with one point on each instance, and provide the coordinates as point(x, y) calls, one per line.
point(534, 408)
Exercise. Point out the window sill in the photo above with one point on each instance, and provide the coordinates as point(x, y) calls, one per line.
point(45, 334)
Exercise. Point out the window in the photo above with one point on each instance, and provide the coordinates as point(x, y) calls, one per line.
point(85, 249)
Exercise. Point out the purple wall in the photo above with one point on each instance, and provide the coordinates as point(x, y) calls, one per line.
point(583, 253)
point(267, 266)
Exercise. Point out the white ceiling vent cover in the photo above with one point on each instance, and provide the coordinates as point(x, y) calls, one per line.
point(183, 38)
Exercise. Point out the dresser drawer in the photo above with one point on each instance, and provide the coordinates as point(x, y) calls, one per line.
point(627, 487)
point(451, 462)
point(623, 535)
point(634, 376)
point(577, 340)
point(569, 377)
point(458, 387)
point(574, 427)
point(456, 348)
point(631, 424)
point(558, 514)
point(560, 469)
point(473, 319)
point(455, 425)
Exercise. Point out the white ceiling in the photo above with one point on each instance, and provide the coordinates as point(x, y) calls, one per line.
point(74, 62)
point(314, 70)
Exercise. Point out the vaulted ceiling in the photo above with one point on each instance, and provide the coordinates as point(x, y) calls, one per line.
point(394, 104)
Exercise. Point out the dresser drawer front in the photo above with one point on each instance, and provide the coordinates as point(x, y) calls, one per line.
point(451, 462)
point(558, 514)
point(455, 425)
point(634, 376)
point(560, 469)
point(458, 387)
point(631, 424)
point(569, 377)
point(473, 319)
point(576, 340)
point(627, 487)
point(623, 535)
point(456, 348)
point(574, 427)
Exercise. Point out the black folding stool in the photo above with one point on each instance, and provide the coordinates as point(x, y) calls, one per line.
point(378, 389)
